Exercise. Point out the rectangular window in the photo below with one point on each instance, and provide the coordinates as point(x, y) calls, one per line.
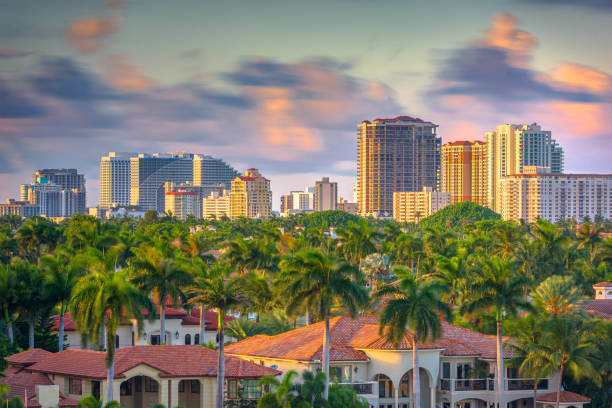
point(74, 386)
point(446, 370)
point(151, 385)
point(181, 387)
point(232, 389)
point(195, 386)
point(126, 388)
point(138, 384)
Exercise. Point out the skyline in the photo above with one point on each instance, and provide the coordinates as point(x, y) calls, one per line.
point(78, 80)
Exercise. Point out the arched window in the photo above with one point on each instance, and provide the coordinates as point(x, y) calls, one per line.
point(196, 339)
point(188, 339)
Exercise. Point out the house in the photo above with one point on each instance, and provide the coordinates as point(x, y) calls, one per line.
point(457, 370)
point(182, 328)
point(601, 306)
point(566, 400)
point(174, 376)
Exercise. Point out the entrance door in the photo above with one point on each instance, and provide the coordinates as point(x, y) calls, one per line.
point(95, 389)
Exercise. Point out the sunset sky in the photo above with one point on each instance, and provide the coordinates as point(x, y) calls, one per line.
point(281, 85)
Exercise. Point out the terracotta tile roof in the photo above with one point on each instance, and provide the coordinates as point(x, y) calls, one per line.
point(210, 319)
point(28, 357)
point(349, 339)
point(603, 285)
point(599, 307)
point(23, 382)
point(565, 397)
point(171, 361)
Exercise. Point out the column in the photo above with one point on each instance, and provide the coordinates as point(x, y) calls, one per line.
point(174, 394)
point(397, 391)
point(163, 392)
point(117, 390)
point(432, 396)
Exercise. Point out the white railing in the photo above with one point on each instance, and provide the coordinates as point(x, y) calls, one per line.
point(490, 384)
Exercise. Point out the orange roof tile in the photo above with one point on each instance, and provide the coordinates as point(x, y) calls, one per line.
point(603, 285)
point(23, 382)
point(599, 307)
point(27, 357)
point(565, 397)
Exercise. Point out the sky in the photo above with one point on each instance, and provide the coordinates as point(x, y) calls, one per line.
point(281, 85)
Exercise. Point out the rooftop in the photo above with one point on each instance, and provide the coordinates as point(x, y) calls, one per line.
point(564, 397)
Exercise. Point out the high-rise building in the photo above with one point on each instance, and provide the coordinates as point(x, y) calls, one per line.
point(183, 201)
point(464, 171)
point(250, 196)
point(511, 147)
point(537, 193)
point(395, 155)
point(413, 206)
point(216, 204)
point(286, 203)
point(20, 208)
point(115, 179)
point(208, 171)
point(326, 195)
point(68, 180)
point(297, 201)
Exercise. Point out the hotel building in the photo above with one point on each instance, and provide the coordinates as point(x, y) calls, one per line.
point(115, 179)
point(399, 154)
point(183, 201)
point(464, 171)
point(216, 204)
point(20, 208)
point(537, 193)
point(250, 196)
point(511, 147)
point(414, 206)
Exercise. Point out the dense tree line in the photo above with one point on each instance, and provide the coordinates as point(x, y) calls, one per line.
point(501, 278)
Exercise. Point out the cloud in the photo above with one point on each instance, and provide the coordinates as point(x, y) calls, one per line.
point(127, 77)
point(86, 34)
point(15, 105)
point(505, 34)
point(13, 53)
point(598, 5)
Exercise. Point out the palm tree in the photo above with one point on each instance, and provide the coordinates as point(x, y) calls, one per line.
point(101, 300)
point(357, 241)
point(9, 301)
point(155, 271)
point(220, 291)
point(312, 387)
point(453, 272)
point(558, 296)
point(414, 304)
point(282, 397)
point(199, 270)
point(61, 276)
point(316, 280)
point(589, 236)
point(34, 233)
point(31, 281)
point(496, 287)
point(242, 328)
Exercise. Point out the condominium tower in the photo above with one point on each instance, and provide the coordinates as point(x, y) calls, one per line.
point(413, 206)
point(537, 193)
point(69, 180)
point(326, 195)
point(115, 179)
point(250, 196)
point(395, 155)
point(464, 171)
point(511, 147)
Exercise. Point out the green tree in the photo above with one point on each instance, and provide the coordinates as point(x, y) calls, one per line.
point(100, 300)
point(242, 328)
point(495, 287)
point(9, 301)
point(557, 296)
point(413, 304)
point(283, 395)
point(31, 291)
point(317, 281)
point(357, 240)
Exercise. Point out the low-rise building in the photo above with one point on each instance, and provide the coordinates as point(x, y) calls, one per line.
point(217, 205)
point(343, 205)
point(413, 206)
point(20, 208)
point(183, 202)
point(601, 306)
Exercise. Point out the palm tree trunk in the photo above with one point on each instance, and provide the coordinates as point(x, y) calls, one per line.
point(326, 357)
point(202, 323)
point(110, 374)
point(416, 380)
point(559, 384)
point(163, 323)
point(307, 316)
point(9, 327)
point(221, 361)
point(535, 390)
point(500, 366)
point(31, 333)
point(60, 346)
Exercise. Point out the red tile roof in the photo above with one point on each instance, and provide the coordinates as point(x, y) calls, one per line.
point(23, 382)
point(603, 285)
point(28, 357)
point(599, 307)
point(565, 397)
point(349, 338)
point(171, 361)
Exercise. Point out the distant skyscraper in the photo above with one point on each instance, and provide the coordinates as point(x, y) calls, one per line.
point(250, 196)
point(395, 155)
point(414, 206)
point(511, 147)
point(115, 180)
point(326, 195)
point(464, 171)
point(66, 179)
point(208, 171)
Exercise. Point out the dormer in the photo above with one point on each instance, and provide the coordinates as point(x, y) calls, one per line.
point(603, 290)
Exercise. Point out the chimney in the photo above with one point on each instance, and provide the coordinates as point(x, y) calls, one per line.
point(47, 395)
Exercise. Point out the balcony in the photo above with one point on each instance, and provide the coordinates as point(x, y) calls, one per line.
point(490, 384)
point(447, 384)
point(514, 384)
point(368, 390)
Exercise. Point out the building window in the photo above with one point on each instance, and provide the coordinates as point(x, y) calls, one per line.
point(446, 370)
point(195, 386)
point(137, 384)
point(116, 342)
point(188, 339)
point(181, 386)
point(155, 339)
point(151, 385)
point(196, 339)
point(74, 386)
point(232, 389)
point(126, 388)
point(252, 389)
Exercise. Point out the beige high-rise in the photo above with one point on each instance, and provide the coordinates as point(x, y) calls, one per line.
point(413, 206)
point(326, 195)
point(250, 196)
point(464, 171)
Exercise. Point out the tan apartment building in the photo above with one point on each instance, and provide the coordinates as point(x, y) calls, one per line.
point(398, 154)
point(182, 202)
point(216, 204)
point(250, 196)
point(540, 194)
point(326, 195)
point(413, 206)
point(464, 171)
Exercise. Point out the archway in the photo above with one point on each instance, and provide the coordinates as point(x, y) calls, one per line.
point(406, 388)
point(189, 393)
point(139, 392)
point(385, 387)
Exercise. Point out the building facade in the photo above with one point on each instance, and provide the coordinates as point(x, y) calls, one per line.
point(209, 171)
point(554, 197)
point(115, 179)
point(68, 180)
point(326, 195)
point(464, 171)
point(414, 206)
point(511, 147)
point(399, 154)
point(250, 196)
point(217, 205)
point(20, 208)
point(183, 202)
point(343, 205)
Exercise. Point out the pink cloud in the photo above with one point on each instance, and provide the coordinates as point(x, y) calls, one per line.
point(127, 77)
point(504, 33)
point(86, 34)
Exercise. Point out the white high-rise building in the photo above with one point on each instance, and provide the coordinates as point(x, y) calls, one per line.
point(511, 147)
point(539, 194)
point(115, 180)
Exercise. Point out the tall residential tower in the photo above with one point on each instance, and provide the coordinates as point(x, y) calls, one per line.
point(464, 171)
